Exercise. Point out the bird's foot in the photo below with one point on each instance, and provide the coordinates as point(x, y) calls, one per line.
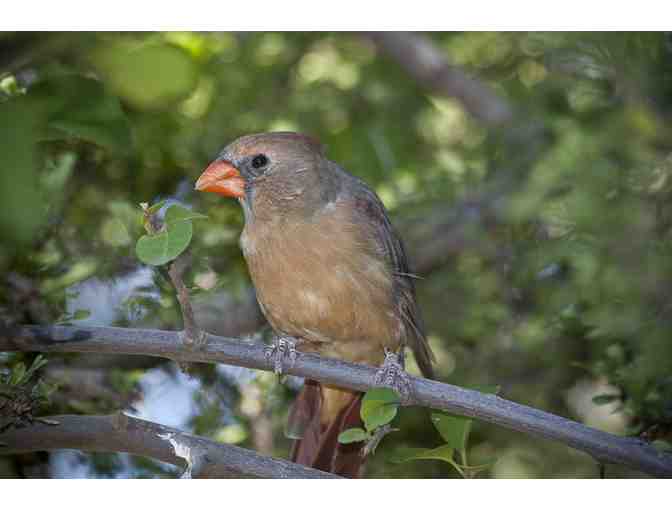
point(283, 348)
point(195, 341)
point(392, 374)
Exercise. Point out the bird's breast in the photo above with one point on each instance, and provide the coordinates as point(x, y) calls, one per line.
point(321, 280)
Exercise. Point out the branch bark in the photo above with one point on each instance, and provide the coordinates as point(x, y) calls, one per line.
point(424, 62)
point(604, 447)
point(192, 333)
point(201, 458)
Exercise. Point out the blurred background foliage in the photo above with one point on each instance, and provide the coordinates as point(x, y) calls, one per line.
point(561, 297)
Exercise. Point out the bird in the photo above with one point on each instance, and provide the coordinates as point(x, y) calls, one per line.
point(330, 273)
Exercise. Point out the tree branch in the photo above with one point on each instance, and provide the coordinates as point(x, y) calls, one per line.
point(192, 333)
point(424, 62)
point(604, 447)
point(201, 457)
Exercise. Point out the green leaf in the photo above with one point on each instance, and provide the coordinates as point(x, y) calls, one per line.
point(601, 400)
point(37, 363)
point(21, 375)
point(354, 435)
point(379, 407)
point(81, 314)
point(165, 246)
point(453, 429)
point(173, 239)
point(443, 452)
point(18, 372)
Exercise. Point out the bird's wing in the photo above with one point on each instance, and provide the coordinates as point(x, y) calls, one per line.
point(371, 211)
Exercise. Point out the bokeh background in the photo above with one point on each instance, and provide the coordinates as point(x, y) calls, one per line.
point(542, 237)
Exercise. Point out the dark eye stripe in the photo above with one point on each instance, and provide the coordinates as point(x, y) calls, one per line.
point(259, 161)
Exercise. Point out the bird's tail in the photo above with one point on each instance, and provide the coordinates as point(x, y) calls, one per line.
point(319, 414)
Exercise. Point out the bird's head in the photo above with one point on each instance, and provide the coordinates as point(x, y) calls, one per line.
point(271, 174)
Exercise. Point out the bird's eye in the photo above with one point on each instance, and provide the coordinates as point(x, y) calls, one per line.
point(259, 161)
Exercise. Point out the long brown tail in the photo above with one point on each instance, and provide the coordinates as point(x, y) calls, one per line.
point(319, 414)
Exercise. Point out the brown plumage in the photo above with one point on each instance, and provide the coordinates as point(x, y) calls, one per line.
point(328, 269)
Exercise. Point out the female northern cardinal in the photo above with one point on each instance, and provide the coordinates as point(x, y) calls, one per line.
point(328, 269)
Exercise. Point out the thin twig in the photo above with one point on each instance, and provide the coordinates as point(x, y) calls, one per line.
point(604, 447)
point(192, 333)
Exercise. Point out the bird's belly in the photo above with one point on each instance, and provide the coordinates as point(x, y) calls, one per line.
point(339, 301)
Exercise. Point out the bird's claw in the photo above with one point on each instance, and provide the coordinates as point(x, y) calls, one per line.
point(195, 341)
point(281, 349)
point(392, 374)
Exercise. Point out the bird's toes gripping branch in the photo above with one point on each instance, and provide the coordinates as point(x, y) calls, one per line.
point(283, 348)
point(392, 374)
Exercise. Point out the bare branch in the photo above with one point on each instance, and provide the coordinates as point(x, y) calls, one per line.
point(201, 458)
point(423, 61)
point(604, 447)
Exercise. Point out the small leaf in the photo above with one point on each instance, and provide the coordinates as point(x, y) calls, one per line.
point(38, 363)
point(352, 436)
point(379, 407)
point(81, 314)
point(165, 246)
point(601, 400)
point(443, 452)
point(453, 429)
point(18, 372)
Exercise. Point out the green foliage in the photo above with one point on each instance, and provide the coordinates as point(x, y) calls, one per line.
point(353, 435)
point(82, 109)
point(20, 375)
point(443, 453)
point(22, 395)
point(379, 407)
point(146, 74)
point(162, 246)
point(454, 430)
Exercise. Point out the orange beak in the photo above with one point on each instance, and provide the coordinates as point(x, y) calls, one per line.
point(223, 178)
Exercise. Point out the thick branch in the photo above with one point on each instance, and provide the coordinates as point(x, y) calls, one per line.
point(604, 447)
point(201, 457)
point(428, 65)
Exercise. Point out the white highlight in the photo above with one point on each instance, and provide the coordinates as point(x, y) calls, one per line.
point(181, 450)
